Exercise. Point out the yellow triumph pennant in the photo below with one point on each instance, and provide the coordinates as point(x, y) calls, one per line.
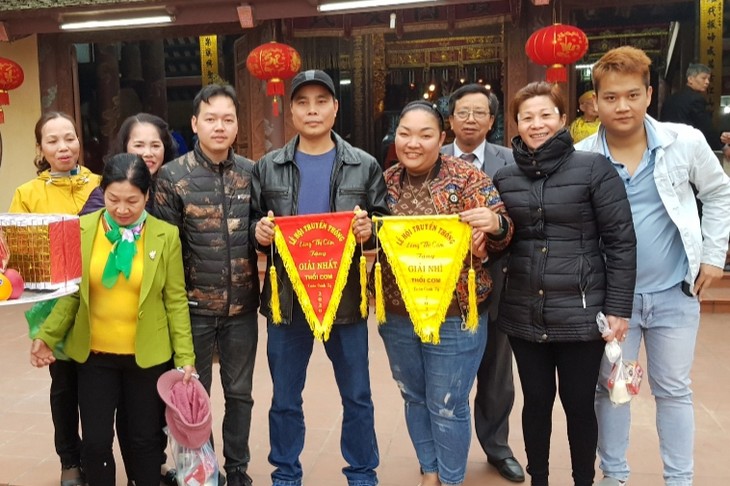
point(426, 254)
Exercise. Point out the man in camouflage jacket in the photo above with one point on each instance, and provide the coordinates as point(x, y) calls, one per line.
point(206, 193)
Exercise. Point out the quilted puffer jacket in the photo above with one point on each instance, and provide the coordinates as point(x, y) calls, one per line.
point(573, 252)
point(210, 204)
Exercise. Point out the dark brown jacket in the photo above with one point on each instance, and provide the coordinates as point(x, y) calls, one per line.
point(210, 204)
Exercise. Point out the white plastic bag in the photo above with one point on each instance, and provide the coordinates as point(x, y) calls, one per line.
point(624, 381)
point(613, 348)
point(195, 467)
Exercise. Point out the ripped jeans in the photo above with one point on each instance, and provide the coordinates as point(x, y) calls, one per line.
point(435, 381)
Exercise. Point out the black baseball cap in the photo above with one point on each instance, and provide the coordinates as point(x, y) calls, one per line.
point(312, 76)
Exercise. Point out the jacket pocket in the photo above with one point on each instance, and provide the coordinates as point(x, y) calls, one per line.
point(584, 274)
point(278, 199)
point(349, 197)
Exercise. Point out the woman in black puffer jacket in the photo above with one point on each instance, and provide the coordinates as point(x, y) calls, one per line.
point(572, 255)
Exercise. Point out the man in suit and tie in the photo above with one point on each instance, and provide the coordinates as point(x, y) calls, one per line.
point(472, 111)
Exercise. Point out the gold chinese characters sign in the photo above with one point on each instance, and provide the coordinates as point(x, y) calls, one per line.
point(711, 18)
point(209, 59)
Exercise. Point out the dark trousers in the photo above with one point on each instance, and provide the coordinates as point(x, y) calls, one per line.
point(105, 380)
point(236, 338)
point(495, 395)
point(125, 446)
point(65, 412)
point(577, 365)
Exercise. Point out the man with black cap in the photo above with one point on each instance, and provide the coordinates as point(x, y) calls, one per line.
point(293, 181)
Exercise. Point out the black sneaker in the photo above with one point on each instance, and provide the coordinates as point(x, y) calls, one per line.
point(239, 478)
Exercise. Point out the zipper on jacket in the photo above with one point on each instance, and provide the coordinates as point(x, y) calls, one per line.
point(228, 236)
point(295, 211)
point(582, 283)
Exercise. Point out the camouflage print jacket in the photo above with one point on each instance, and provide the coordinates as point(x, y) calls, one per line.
point(210, 204)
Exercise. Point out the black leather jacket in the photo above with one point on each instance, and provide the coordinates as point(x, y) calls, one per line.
point(356, 180)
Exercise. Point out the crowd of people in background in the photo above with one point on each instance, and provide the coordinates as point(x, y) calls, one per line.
point(573, 220)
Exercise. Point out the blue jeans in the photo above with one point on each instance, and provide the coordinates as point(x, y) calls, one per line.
point(289, 348)
point(668, 322)
point(236, 338)
point(435, 381)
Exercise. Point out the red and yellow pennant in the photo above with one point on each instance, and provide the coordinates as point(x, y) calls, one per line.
point(426, 254)
point(317, 251)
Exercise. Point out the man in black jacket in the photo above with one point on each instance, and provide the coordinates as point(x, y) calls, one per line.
point(206, 194)
point(291, 181)
point(689, 105)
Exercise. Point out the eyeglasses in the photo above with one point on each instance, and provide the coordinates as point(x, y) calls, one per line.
point(463, 115)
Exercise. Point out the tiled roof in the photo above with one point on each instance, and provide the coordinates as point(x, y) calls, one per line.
point(12, 5)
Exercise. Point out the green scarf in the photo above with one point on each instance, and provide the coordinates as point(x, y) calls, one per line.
point(124, 247)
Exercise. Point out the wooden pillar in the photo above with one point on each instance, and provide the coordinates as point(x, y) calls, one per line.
point(359, 101)
point(55, 59)
point(153, 71)
point(259, 131)
point(519, 70)
point(107, 80)
point(59, 87)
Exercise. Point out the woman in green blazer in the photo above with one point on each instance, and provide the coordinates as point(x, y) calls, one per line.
point(128, 319)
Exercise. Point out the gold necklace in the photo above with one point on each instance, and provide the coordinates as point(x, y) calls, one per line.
point(415, 195)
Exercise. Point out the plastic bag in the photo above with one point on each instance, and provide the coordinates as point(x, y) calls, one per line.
point(625, 377)
point(195, 467)
point(613, 348)
point(37, 315)
point(624, 381)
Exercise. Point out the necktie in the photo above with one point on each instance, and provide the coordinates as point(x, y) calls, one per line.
point(468, 157)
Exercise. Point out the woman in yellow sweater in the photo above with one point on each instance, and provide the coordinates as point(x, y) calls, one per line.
point(128, 319)
point(62, 186)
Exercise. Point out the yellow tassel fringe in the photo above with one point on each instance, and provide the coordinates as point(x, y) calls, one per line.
point(379, 303)
point(363, 287)
point(472, 318)
point(275, 304)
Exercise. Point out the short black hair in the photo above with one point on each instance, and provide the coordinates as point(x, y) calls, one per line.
point(126, 167)
point(211, 91)
point(427, 107)
point(474, 88)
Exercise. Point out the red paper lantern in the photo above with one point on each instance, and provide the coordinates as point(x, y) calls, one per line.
point(11, 76)
point(274, 62)
point(555, 46)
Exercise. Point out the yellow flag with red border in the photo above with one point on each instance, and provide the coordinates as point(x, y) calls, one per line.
point(317, 250)
point(426, 254)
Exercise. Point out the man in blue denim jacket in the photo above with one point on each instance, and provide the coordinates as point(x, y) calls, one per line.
point(677, 256)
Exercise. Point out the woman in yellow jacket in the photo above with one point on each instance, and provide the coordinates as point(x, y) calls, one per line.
point(62, 186)
point(128, 319)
